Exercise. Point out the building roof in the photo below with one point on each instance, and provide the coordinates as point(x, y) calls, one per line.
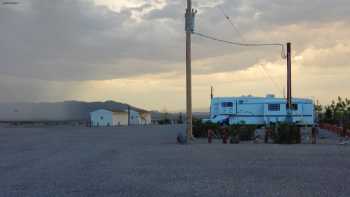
point(60, 111)
point(123, 111)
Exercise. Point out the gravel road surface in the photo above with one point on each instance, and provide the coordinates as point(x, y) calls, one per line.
point(145, 161)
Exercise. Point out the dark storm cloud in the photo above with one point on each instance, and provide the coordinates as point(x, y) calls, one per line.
point(76, 40)
point(172, 10)
point(300, 11)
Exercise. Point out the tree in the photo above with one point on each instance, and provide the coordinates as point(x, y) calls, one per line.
point(338, 112)
point(180, 120)
point(318, 109)
point(328, 115)
point(164, 117)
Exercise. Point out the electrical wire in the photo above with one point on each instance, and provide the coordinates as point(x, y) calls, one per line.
point(283, 55)
point(234, 26)
point(245, 44)
point(250, 45)
point(236, 29)
point(271, 79)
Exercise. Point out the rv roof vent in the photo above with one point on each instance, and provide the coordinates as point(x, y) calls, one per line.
point(270, 96)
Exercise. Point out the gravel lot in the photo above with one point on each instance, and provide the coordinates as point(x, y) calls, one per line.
point(145, 161)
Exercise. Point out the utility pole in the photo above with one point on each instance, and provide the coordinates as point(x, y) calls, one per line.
point(289, 83)
point(129, 115)
point(189, 18)
point(211, 98)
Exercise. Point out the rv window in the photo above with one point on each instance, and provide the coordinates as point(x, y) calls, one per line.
point(227, 104)
point(294, 107)
point(274, 107)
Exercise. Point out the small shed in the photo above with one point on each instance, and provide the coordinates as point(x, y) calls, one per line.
point(134, 118)
point(140, 117)
point(145, 117)
point(106, 118)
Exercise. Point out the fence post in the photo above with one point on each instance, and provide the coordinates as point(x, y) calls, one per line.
point(224, 135)
point(210, 136)
point(314, 135)
point(267, 134)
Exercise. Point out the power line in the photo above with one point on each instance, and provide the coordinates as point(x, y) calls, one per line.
point(234, 26)
point(243, 44)
point(236, 29)
point(249, 45)
point(271, 79)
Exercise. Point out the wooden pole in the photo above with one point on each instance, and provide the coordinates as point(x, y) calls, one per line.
point(128, 115)
point(189, 29)
point(289, 83)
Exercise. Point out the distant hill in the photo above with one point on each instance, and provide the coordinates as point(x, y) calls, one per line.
point(60, 111)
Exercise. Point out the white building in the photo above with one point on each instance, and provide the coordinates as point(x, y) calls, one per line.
point(106, 118)
point(140, 117)
point(259, 110)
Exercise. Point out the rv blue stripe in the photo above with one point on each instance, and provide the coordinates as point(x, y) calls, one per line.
point(272, 103)
point(265, 115)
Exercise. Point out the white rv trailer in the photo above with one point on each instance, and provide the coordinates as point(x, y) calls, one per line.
point(259, 110)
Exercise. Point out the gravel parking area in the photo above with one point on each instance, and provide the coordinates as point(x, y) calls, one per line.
point(145, 161)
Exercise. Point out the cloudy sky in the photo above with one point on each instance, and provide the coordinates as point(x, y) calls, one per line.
point(133, 50)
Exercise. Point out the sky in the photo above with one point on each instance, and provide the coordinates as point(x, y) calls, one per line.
point(133, 51)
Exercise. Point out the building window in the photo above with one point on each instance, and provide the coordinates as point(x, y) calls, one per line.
point(274, 107)
point(240, 102)
point(227, 104)
point(294, 107)
point(101, 117)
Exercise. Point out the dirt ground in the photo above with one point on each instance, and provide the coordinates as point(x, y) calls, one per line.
point(146, 161)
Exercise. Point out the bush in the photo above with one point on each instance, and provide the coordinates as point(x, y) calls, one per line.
point(347, 125)
point(286, 134)
point(201, 129)
point(164, 121)
point(244, 132)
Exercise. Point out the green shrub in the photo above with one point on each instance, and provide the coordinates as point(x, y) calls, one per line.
point(286, 134)
point(347, 125)
point(201, 129)
point(164, 121)
point(244, 132)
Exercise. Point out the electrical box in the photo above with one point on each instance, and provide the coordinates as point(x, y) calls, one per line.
point(190, 20)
